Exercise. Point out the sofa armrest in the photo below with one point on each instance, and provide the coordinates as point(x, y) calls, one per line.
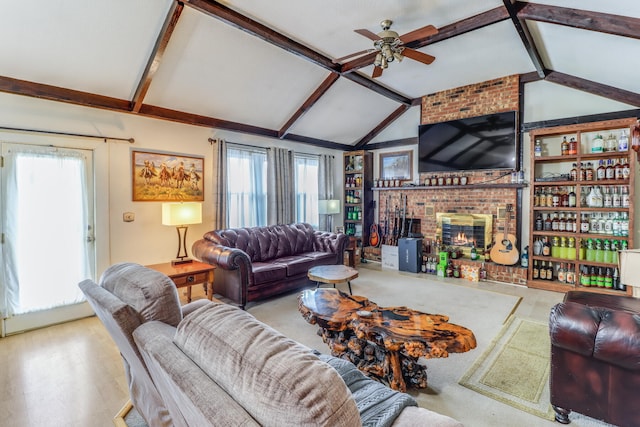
point(612, 336)
point(335, 243)
point(221, 256)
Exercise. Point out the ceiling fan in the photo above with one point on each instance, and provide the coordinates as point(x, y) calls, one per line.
point(390, 46)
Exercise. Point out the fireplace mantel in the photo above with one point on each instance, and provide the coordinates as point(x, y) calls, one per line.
point(443, 187)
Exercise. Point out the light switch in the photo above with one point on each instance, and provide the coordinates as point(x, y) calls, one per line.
point(128, 216)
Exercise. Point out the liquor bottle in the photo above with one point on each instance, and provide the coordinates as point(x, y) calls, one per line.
point(474, 253)
point(562, 223)
point(546, 247)
point(555, 197)
point(573, 175)
point(600, 277)
point(564, 146)
point(550, 273)
point(548, 224)
point(608, 278)
point(623, 141)
point(536, 198)
point(601, 171)
point(555, 222)
point(535, 271)
point(571, 248)
point(537, 150)
point(456, 271)
point(618, 170)
point(555, 247)
point(589, 172)
point(562, 273)
point(610, 171)
point(549, 197)
point(585, 277)
point(626, 171)
point(482, 273)
point(564, 198)
point(615, 282)
point(572, 199)
point(571, 274)
point(611, 144)
point(542, 274)
point(593, 275)
point(449, 271)
point(582, 172)
point(573, 147)
point(524, 259)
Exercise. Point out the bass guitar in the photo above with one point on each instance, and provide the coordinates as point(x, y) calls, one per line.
point(504, 250)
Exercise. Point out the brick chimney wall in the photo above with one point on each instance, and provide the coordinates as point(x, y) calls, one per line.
point(488, 97)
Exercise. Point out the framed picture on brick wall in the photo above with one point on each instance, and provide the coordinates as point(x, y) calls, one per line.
point(397, 165)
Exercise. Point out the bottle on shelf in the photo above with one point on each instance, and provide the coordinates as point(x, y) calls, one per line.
point(546, 247)
point(550, 272)
point(570, 274)
point(535, 271)
point(573, 147)
point(601, 171)
point(573, 174)
point(524, 259)
point(542, 274)
point(585, 277)
point(537, 151)
point(564, 146)
point(623, 141)
point(588, 174)
point(611, 144)
point(561, 275)
point(597, 145)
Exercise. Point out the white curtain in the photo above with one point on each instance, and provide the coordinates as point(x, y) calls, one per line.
point(246, 187)
point(46, 228)
point(306, 181)
point(325, 186)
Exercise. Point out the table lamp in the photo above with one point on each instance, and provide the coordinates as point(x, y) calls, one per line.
point(180, 215)
point(329, 207)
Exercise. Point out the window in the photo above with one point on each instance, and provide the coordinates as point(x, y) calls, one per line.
point(247, 187)
point(307, 189)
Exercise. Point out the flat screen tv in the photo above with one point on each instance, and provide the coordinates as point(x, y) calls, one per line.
point(474, 143)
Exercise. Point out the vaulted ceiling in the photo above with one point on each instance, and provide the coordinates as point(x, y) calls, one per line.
point(271, 68)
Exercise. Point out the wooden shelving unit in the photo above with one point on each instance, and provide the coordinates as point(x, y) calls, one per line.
point(549, 171)
point(358, 209)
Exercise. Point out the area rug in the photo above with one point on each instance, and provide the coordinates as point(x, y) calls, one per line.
point(514, 369)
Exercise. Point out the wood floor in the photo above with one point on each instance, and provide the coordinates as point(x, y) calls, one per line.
point(71, 374)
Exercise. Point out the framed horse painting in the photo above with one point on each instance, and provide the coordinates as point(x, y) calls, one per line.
point(166, 177)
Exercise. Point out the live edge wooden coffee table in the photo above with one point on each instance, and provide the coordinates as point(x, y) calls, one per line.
point(383, 342)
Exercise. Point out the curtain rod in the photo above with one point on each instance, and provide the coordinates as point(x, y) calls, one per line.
point(81, 135)
point(213, 141)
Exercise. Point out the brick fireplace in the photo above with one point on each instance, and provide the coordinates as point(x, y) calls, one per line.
point(485, 192)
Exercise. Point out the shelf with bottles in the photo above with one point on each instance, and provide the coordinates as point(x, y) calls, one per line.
point(604, 222)
point(557, 272)
point(353, 181)
point(588, 139)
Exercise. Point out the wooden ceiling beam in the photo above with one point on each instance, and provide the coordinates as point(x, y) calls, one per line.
point(617, 25)
point(594, 88)
point(383, 125)
point(248, 25)
point(315, 96)
point(525, 37)
point(446, 32)
point(157, 53)
point(55, 93)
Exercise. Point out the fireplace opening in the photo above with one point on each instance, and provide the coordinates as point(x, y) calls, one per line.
point(464, 230)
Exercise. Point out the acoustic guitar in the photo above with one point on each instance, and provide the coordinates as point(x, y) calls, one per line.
point(374, 236)
point(504, 251)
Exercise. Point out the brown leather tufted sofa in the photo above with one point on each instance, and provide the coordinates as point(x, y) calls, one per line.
point(595, 357)
point(258, 262)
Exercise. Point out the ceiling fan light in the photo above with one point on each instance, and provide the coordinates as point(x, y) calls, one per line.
point(384, 63)
point(398, 56)
point(378, 61)
point(387, 53)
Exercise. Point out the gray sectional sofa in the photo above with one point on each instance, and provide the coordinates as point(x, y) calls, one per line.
point(219, 366)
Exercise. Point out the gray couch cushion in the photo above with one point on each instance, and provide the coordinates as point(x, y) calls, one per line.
point(278, 381)
point(186, 389)
point(152, 294)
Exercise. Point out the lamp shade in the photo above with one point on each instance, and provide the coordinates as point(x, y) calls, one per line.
point(328, 207)
point(181, 213)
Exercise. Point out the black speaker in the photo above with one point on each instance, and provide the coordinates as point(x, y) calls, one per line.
point(410, 255)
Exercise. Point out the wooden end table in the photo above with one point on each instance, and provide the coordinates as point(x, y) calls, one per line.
point(383, 342)
point(187, 275)
point(332, 274)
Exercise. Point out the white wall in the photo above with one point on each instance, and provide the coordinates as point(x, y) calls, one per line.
point(146, 240)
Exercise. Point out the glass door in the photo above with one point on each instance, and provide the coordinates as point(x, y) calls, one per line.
point(47, 235)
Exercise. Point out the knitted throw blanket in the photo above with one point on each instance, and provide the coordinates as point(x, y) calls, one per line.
point(378, 404)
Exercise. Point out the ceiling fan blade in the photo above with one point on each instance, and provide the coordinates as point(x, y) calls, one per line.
point(418, 56)
point(353, 55)
point(368, 34)
point(420, 33)
point(377, 72)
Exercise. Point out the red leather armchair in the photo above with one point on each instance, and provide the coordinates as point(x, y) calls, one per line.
point(595, 357)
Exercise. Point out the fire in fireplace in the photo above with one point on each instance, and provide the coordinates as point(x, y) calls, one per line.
point(464, 230)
